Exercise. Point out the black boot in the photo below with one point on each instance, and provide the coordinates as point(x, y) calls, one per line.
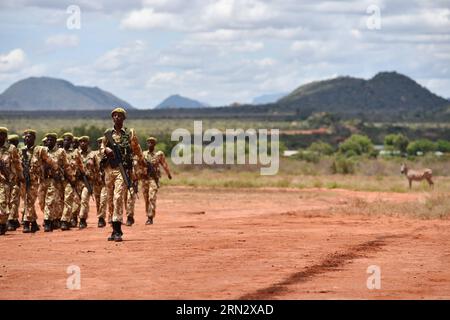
point(26, 227)
point(74, 222)
point(56, 224)
point(119, 232)
point(83, 223)
point(34, 227)
point(149, 220)
point(113, 233)
point(3, 228)
point(130, 221)
point(65, 226)
point(11, 226)
point(48, 227)
point(101, 222)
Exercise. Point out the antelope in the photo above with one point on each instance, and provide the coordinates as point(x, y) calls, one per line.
point(417, 175)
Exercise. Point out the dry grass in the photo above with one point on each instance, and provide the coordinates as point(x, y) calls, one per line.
point(436, 205)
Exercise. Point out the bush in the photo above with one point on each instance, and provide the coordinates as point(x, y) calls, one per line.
point(443, 146)
point(422, 145)
point(343, 165)
point(356, 145)
point(396, 142)
point(321, 148)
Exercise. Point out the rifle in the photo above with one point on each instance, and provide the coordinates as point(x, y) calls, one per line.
point(151, 172)
point(87, 184)
point(118, 160)
point(26, 175)
point(66, 177)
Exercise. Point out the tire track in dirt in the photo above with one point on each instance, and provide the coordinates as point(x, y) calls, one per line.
point(330, 263)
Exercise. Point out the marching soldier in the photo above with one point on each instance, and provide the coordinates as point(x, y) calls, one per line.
point(44, 180)
point(150, 183)
point(119, 145)
point(10, 169)
point(100, 194)
point(89, 161)
point(14, 199)
point(54, 197)
point(131, 194)
point(79, 186)
point(32, 157)
point(70, 189)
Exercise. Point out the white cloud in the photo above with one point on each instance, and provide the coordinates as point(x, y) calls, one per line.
point(120, 57)
point(63, 40)
point(12, 61)
point(147, 18)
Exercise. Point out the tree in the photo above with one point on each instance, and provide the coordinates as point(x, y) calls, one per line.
point(321, 148)
point(396, 142)
point(356, 145)
point(421, 145)
point(443, 146)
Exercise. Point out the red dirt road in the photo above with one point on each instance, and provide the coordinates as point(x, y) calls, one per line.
point(237, 244)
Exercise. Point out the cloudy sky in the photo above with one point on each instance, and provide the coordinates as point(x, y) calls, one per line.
point(221, 51)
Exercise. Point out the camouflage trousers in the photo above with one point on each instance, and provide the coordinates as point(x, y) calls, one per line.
point(43, 187)
point(116, 189)
point(54, 199)
point(4, 201)
point(130, 200)
point(69, 199)
point(149, 190)
point(14, 202)
point(100, 196)
point(29, 210)
point(77, 200)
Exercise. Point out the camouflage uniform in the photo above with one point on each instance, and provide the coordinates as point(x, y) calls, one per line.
point(150, 184)
point(55, 194)
point(76, 164)
point(100, 194)
point(14, 198)
point(33, 158)
point(89, 161)
point(131, 195)
point(128, 145)
point(10, 171)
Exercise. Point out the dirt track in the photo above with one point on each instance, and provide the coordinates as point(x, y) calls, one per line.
point(237, 244)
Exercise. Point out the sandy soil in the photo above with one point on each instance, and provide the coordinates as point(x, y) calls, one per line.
point(237, 244)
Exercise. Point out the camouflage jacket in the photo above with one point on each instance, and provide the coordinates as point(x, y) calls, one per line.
point(35, 158)
point(10, 167)
point(156, 158)
point(60, 157)
point(90, 164)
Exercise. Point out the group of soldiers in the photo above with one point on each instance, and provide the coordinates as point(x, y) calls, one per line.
point(63, 174)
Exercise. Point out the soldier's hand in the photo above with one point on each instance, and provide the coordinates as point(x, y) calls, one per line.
point(170, 176)
point(109, 153)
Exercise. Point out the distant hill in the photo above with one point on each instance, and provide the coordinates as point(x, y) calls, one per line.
point(178, 102)
point(56, 94)
point(268, 98)
point(386, 91)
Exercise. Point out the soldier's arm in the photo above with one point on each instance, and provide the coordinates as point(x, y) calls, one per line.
point(136, 148)
point(66, 165)
point(79, 163)
point(47, 159)
point(164, 164)
point(17, 164)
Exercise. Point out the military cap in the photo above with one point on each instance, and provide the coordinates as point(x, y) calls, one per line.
point(44, 139)
point(152, 139)
point(30, 131)
point(51, 135)
point(67, 134)
point(84, 138)
point(13, 137)
point(59, 140)
point(3, 130)
point(119, 110)
point(100, 139)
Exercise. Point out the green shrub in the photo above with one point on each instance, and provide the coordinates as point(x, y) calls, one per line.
point(343, 165)
point(356, 145)
point(422, 145)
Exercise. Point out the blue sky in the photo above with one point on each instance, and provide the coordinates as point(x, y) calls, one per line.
point(222, 51)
